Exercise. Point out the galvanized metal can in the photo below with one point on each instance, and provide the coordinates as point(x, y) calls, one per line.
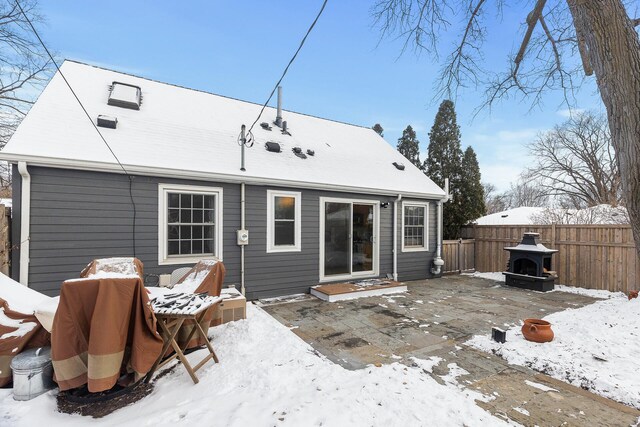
point(32, 373)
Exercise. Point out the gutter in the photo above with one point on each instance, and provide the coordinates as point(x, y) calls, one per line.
point(242, 230)
point(25, 222)
point(438, 262)
point(396, 202)
point(202, 176)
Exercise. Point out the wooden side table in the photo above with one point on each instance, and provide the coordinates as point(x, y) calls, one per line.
point(171, 314)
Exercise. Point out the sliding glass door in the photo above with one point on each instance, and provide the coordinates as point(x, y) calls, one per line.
point(337, 239)
point(349, 242)
point(362, 242)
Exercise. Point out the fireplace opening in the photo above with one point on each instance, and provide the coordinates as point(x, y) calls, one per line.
point(525, 266)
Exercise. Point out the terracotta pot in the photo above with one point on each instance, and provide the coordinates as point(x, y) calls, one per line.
point(537, 330)
point(633, 294)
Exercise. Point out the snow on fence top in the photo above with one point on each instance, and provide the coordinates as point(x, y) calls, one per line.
point(525, 215)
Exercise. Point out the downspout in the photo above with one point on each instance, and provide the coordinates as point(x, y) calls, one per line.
point(438, 262)
point(25, 222)
point(242, 224)
point(395, 237)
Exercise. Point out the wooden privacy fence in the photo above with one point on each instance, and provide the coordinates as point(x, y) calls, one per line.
point(590, 256)
point(458, 255)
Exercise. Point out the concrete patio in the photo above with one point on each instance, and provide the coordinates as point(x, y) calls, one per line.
point(435, 318)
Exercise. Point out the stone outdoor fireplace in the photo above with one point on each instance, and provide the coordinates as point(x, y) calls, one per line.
point(529, 265)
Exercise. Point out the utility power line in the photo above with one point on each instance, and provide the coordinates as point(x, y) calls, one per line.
point(35, 32)
point(284, 73)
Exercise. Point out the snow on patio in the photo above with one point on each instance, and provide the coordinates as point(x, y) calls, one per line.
point(595, 347)
point(593, 293)
point(269, 376)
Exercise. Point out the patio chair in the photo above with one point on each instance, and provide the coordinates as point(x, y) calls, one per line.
point(90, 344)
point(178, 274)
point(207, 277)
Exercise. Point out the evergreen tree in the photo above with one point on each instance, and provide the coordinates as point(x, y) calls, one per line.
point(409, 146)
point(472, 188)
point(378, 129)
point(445, 161)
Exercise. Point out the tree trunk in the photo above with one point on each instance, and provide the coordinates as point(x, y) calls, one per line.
point(614, 52)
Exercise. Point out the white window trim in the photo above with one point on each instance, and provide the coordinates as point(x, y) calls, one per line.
point(425, 247)
point(271, 247)
point(163, 190)
point(376, 240)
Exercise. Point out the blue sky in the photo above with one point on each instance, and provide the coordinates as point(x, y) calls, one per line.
point(344, 72)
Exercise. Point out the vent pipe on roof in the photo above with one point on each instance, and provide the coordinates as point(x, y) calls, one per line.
point(278, 121)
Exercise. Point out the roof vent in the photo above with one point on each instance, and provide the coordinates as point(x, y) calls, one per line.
point(125, 96)
point(273, 147)
point(298, 152)
point(311, 152)
point(278, 121)
point(107, 121)
point(398, 166)
point(265, 126)
point(285, 131)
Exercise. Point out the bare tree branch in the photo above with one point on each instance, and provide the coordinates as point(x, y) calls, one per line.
point(526, 193)
point(574, 161)
point(417, 22)
point(532, 20)
point(24, 68)
point(461, 64)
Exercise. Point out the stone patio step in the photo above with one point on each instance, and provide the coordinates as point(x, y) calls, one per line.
point(346, 291)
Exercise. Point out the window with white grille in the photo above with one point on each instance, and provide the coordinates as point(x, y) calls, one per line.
point(415, 226)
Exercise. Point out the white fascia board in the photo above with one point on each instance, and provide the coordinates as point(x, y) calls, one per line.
point(200, 176)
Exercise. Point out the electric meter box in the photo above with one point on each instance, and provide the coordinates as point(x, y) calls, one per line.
point(243, 237)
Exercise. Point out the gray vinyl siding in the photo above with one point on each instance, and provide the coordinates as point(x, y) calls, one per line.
point(77, 216)
point(417, 265)
point(272, 274)
point(16, 205)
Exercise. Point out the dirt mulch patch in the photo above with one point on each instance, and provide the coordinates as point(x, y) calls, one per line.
point(98, 405)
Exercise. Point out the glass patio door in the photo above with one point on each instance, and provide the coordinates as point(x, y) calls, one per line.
point(348, 239)
point(337, 239)
point(362, 241)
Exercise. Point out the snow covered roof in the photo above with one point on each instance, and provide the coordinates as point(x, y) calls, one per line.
point(516, 216)
point(600, 214)
point(181, 132)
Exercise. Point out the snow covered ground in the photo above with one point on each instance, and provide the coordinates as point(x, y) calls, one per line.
point(596, 347)
point(268, 376)
point(594, 293)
